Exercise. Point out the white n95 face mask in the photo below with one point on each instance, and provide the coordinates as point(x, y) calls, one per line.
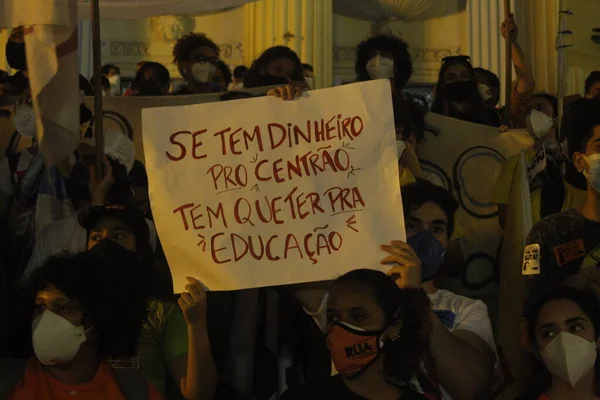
point(540, 123)
point(56, 340)
point(201, 71)
point(380, 67)
point(24, 121)
point(569, 357)
point(593, 175)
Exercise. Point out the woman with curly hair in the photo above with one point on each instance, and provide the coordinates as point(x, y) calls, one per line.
point(378, 338)
point(196, 57)
point(457, 93)
point(384, 57)
point(278, 65)
point(84, 312)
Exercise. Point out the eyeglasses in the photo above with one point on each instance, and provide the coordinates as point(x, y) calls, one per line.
point(201, 58)
point(456, 58)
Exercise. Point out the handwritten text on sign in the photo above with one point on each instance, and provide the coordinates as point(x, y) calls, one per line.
point(264, 192)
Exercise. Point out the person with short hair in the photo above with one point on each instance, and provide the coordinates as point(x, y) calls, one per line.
point(196, 57)
point(85, 312)
point(151, 79)
point(592, 85)
point(563, 331)
point(551, 190)
point(563, 248)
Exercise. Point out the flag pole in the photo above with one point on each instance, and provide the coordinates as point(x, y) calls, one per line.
point(508, 69)
point(97, 62)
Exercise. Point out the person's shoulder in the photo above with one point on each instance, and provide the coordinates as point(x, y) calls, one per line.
point(554, 225)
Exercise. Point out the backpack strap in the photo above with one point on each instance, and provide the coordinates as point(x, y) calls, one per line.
point(11, 373)
point(131, 383)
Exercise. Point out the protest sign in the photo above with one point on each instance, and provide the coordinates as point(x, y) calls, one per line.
point(264, 192)
point(466, 159)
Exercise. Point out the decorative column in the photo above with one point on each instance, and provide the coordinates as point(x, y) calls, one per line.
point(486, 45)
point(84, 32)
point(303, 25)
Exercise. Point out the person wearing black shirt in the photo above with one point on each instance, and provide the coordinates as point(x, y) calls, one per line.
point(377, 335)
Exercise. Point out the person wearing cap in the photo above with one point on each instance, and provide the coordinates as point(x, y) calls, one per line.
point(85, 189)
point(174, 349)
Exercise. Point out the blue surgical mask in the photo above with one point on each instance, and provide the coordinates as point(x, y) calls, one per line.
point(431, 252)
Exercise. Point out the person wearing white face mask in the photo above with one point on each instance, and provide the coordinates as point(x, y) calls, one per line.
point(567, 244)
point(196, 57)
point(384, 57)
point(562, 329)
point(113, 74)
point(549, 193)
point(85, 312)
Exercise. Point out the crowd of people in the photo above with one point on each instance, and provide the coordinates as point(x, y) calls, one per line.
point(87, 303)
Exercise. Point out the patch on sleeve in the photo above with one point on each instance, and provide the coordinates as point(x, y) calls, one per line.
point(447, 317)
point(567, 252)
point(531, 260)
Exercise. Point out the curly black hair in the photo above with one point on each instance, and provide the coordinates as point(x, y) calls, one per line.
point(403, 356)
point(385, 44)
point(184, 46)
point(109, 297)
point(591, 80)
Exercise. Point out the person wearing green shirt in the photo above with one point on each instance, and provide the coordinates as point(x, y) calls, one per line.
point(174, 352)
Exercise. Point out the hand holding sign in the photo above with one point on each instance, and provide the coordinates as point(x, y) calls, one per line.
point(278, 194)
point(407, 273)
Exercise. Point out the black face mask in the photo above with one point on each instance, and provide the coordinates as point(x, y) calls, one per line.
point(271, 80)
point(149, 88)
point(115, 253)
point(459, 91)
point(15, 55)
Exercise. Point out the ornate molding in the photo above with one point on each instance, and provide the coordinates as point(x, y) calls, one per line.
point(229, 51)
point(171, 28)
point(128, 49)
point(419, 55)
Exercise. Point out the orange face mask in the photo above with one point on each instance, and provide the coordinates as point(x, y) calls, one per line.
point(351, 348)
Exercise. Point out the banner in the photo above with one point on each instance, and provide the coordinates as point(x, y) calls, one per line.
point(511, 291)
point(284, 192)
point(466, 159)
point(124, 113)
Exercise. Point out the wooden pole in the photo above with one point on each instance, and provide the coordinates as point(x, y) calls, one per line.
point(507, 69)
point(98, 113)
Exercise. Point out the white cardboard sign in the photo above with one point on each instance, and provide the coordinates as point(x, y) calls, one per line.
point(265, 192)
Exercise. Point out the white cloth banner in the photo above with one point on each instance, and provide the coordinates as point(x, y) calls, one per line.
point(281, 193)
